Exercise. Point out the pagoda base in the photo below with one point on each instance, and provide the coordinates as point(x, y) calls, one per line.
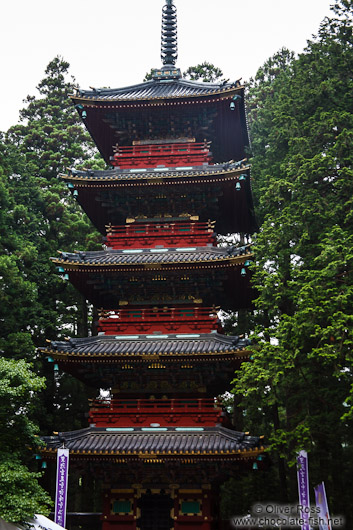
point(161, 508)
point(154, 478)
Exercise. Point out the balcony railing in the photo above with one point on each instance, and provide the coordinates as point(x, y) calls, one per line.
point(129, 413)
point(151, 405)
point(163, 154)
point(184, 319)
point(150, 235)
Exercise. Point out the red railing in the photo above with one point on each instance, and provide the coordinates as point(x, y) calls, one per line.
point(150, 405)
point(157, 412)
point(150, 235)
point(169, 155)
point(185, 319)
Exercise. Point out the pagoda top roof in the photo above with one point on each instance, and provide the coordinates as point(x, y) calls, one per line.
point(166, 106)
point(140, 346)
point(134, 442)
point(153, 256)
point(166, 82)
point(158, 89)
point(167, 109)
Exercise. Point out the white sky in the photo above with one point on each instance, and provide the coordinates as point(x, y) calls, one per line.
point(115, 42)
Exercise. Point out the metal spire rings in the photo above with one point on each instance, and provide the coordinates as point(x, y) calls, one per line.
point(169, 45)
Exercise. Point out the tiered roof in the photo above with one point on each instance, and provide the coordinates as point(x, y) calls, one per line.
point(137, 365)
point(134, 443)
point(161, 275)
point(153, 256)
point(163, 111)
point(171, 108)
point(156, 89)
point(220, 192)
point(172, 346)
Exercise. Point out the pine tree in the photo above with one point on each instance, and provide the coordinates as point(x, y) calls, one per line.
point(206, 72)
point(298, 384)
point(41, 219)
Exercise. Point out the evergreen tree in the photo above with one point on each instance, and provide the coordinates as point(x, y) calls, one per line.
point(49, 139)
point(38, 217)
point(42, 218)
point(298, 385)
point(206, 72)
point(20, 494)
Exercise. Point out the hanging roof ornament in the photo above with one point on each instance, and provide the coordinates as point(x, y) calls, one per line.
point(169, 44)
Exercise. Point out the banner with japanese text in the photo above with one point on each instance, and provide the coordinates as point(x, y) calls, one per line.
point(303, 488)
point(321, 504)
point(62, 472)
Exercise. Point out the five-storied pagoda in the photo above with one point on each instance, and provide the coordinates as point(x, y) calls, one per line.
point(161, 442)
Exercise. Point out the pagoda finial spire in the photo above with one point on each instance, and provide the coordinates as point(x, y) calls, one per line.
point(169, 45)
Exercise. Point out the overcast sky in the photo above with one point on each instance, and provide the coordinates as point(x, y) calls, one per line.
point(115, 42)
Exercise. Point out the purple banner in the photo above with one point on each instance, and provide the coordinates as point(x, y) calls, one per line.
point(321, 504)
point(62, 471)
point(303, 488)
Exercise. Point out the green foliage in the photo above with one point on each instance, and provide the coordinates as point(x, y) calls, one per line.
point(37, 217)
point(41, 215)
point(299, 383)
point(149, 75)
point(17, 296)
point(50, 127)
point(206, 72)
point(249, 487)
point(21, 496)
point(17, 384)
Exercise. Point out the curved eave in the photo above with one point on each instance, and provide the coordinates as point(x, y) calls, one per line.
point(250, 454)
point(241, 354)
point(105, 115)
point(165, 265)
point(107, 98)
point(155, 177)
point(232, 211)
point(208, 442)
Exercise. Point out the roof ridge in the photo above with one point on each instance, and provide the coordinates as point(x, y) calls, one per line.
point(205, 89)
point(143, 337)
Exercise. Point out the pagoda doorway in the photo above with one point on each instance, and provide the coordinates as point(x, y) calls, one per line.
point(155, 511)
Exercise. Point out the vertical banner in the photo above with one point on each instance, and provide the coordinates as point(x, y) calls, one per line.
point(321, 504)
point(62, 471)
point(303, 488)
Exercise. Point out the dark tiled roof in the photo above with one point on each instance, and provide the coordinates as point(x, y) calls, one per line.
point(160, 256)
point(163, 441)
point(157, 89)
point(140, 345)
point(226, 169)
